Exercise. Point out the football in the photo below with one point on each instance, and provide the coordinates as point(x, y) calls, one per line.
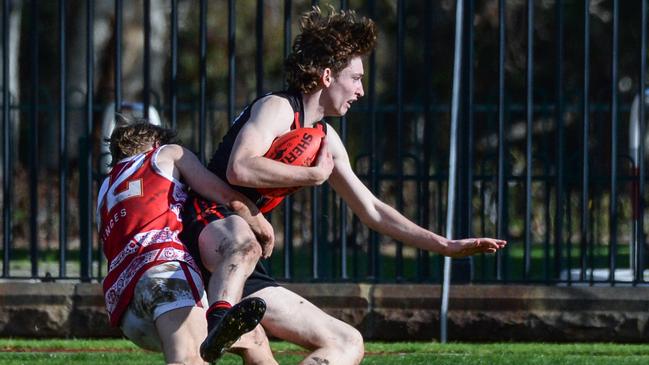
point(298, 147)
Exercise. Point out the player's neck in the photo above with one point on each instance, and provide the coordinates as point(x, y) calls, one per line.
point(313, 111)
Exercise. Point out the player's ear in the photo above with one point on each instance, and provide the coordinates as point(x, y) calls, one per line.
point(326, 76)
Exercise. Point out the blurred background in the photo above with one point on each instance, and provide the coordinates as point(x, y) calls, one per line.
point(551, 129)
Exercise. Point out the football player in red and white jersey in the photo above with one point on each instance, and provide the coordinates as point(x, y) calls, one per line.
point(153, 288)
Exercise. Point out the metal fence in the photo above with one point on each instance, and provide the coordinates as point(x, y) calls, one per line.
point(551, 152)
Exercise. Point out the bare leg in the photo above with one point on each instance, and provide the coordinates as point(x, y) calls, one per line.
point(181, 332)
point(254, 348)
point(295, 319)
point(229, 250)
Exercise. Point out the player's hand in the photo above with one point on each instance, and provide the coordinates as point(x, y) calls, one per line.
point(324, 162)
point(259, 225)
point(472, 246)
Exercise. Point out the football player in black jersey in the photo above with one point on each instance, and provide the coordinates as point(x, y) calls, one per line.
point(324, 76)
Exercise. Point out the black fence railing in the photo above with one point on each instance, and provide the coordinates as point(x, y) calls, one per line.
point(552, 130)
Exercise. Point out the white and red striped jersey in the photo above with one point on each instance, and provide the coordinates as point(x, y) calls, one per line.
point(139, 223)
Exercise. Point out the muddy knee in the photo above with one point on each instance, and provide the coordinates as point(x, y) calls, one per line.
point(243, 246)
point(235, 245)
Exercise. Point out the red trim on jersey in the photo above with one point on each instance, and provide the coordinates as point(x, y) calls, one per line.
point(205, 208)
point(199, 213)
point(192, 284)
point(214, 210)
point(296, 121)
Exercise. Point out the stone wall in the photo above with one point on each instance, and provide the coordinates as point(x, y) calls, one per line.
point(381, 312)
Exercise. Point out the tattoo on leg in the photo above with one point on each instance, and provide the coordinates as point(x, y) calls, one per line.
point(319, 361)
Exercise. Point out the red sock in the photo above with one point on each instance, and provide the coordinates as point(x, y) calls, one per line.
point(219, 304)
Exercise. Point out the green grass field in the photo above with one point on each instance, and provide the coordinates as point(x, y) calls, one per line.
point(113, 352)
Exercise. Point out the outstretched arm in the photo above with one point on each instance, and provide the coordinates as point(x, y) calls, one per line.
point(387, 220)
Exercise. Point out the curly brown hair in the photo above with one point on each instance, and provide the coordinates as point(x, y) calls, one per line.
point(327, 41)
point(132, 138)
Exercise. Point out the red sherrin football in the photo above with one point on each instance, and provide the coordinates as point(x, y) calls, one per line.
point(298, 147)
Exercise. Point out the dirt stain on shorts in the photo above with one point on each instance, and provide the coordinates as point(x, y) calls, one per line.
point(152, 291)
